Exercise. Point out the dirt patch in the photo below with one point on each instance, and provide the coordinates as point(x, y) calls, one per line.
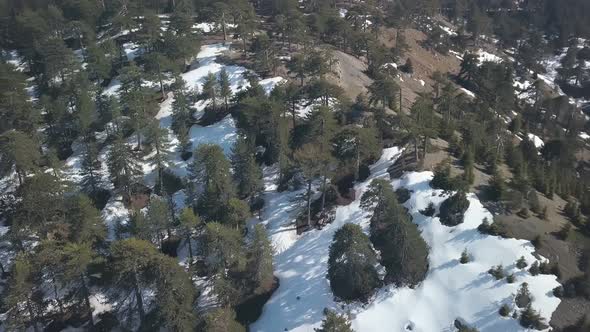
point(351, 75)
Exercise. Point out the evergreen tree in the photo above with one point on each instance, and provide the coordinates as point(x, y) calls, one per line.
point(351, 264)
point(309, 160)
point(91, 168)
point(211, 169)
point(22, 296)
point(181, 111)
point(189, 222)
point(452, 210)
point(225, 91)
point(222, 319)
point(334, 322)
point(210, 89)
point(247, 173)
point(157, 137)
point(20, 151)
point(85, 224)
point(123, 166)
point(260, 256)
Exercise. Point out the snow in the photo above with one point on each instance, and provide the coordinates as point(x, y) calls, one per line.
point(536, 140)
point(422, 82)
point(486, 56)
point(451, 290)
point(468, 92)
point(584, 135)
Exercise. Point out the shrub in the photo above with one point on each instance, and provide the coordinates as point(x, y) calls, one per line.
point(334, 322)
point(523, 297)
point(510, 278)
point(452, 209)
point(529, 318)
point(521, 263)
point(351, 264)
point(524, 213)
point(429, 211)
point(403, 195)
point(534, 202)
point(464, 257)
point(504, 310)
point(558, 291)
point(534, 270)
point(537, 242)
point(564, 231)
point(442, 176)
point(497, 272)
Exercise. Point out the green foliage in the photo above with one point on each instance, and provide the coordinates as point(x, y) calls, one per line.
point(497, 272)
point(334, 322)
point(521, 263)
point(351, 264)
point(247, 173)
point(403, 251)
point(523, 297)
point(452, 210)
point(222, 320)
point(504, 310)
point(465, 258)
point(529, 318)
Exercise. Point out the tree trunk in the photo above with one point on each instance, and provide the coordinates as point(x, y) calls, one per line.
point(138, 296)
point(223, 28)
point(358, 164)
point(324, 180)
point(87, 299)
point(309, 202)
point(190, 248)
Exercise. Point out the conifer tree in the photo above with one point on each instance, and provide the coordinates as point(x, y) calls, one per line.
point(20, 151)
point(225, 92)
point(21, 296)
point(351, 264)
point(260, 256)
point(211, 89)
point(334, 322)
point(309, 160)
point(188, 225)
point(90, 171)
point(247, 173)
point(123, 166)
point(211, 169)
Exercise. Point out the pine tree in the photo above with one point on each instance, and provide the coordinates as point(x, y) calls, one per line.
point(334, 322)
point(189, 222)
point(159, 220)
point(211, 89)
point(85, 224)
point(123, 166)
point(222, 319)
point(523, 297)
point(222, 248)
point(132, 268)
point(247, 173)
point(351, 264)
point(157, 137)
point(452, 210)
point(91, 168)
point(21, 300)
point(308, 159)
point(181, 111)
point(19, 151)
point(260, 255)
point(225, 91)
point(77, 258)
point(211, 169)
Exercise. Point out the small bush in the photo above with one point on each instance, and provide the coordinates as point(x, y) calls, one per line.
point(464, 257)
point(558, 292)
point(564, 231)
point(534, 270)
point(504, 310)
point(524, 213)
point(510, 279)
point(452, 210)
point(494, 228)
point(537, 242)
point(523, 297)
point(521, 263)
point(403, 195)
point(531, 319)
point(429, 211)
point(497, 272)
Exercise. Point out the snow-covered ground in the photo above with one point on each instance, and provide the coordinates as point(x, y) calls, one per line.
point(451, 290)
